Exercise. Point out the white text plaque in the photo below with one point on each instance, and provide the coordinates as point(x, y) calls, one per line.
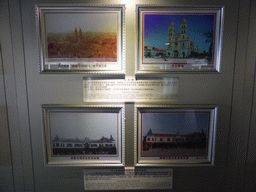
point(116, 179)
point(130, 90)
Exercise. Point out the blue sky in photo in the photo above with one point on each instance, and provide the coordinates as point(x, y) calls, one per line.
point(156, 28)
point(171, 123)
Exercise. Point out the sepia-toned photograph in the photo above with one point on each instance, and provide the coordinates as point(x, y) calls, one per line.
point(85, 38)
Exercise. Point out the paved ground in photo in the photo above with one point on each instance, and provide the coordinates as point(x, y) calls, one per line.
point(175, 151)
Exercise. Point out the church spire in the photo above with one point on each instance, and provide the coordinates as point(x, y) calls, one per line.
point(183, 26)
point(150, 133)
point(171, 31)
point(184, 21)
point(172, 24)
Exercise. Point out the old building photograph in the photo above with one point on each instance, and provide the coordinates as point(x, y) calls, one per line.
point(176, 133)
point(70, 146)
point(76, 133)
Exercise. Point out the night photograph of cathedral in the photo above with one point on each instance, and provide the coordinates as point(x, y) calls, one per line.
point(178, 37)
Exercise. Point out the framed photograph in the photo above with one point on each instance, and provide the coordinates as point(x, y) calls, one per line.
point(81, 39)
point(174, 135)
point(178, 39)
point(84, 135)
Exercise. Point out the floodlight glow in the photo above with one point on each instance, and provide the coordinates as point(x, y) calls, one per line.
point(128, 3)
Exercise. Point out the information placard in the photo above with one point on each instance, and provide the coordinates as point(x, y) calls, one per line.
point(116, 179)
point(130, 90)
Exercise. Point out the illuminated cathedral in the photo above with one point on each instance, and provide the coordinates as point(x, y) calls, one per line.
point(179, 44)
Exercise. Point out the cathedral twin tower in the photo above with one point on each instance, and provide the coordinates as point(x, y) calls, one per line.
point(179, 44)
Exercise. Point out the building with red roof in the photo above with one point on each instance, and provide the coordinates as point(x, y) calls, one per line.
point(163, 140)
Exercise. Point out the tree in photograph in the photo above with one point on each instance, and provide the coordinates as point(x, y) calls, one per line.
point(209, 39)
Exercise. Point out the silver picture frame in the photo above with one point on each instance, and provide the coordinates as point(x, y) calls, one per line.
point(81, 38)
point(171, 135)
point(83, 135)
point(178, 39)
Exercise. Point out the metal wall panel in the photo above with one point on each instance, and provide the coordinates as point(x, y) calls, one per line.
point(250, 92)
point(26, 90)
point(6, 174)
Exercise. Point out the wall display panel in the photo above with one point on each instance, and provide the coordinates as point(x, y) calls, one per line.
point(58, 174)
point(174, 135)
point(81, 39)
point(178, 39)
point(84, 135)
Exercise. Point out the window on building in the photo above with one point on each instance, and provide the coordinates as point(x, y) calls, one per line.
point(168, 139)
point(148, 139)
point(161, 139)
point(69, 145)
